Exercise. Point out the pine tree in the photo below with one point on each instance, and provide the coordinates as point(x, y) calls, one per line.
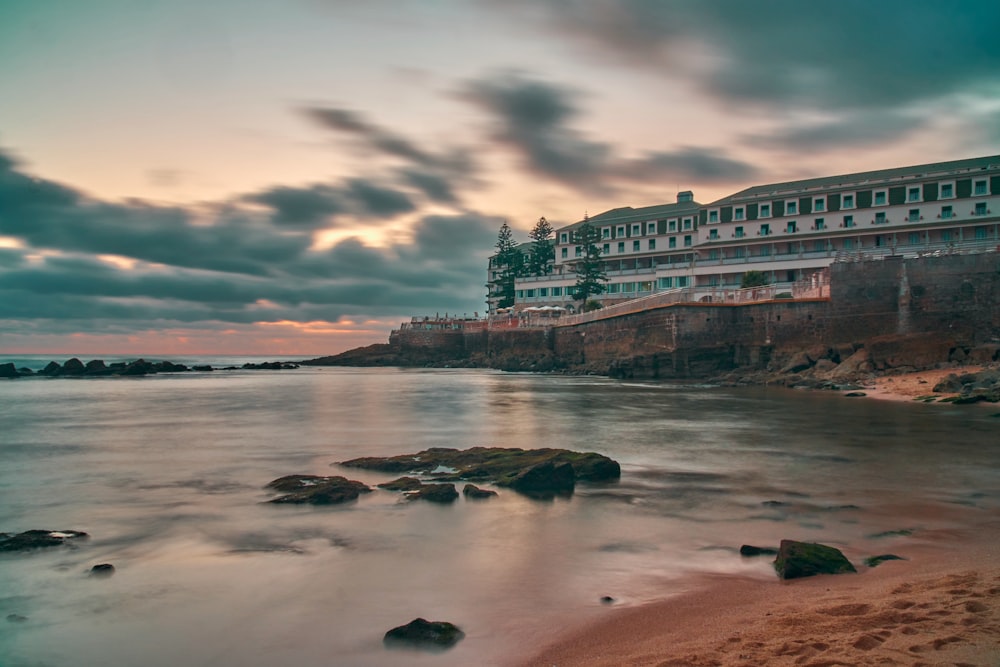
point(543, 251)
point(508, 263)
point(590, 275)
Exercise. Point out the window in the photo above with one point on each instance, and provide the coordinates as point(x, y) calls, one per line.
point(848, 221)
point(765, 251)
point(605, 232)
point(687, 241)
point(565, 253)
point(646, 286)
point(791, 227)
point(979, 188)
point(650, 227)
point(819, 246)
point(914, 238)
point(765, 229)
point(819, 204)
point(557, 291)
point(579, 251)
point(947, 191)
point(791, 207)
point(713, 254)
point(980, 233)
point(913, 215)
point(665, 283)
point(606, 248)
point(913, 193)
point(682, 281)
point(636, 230)
point(564, 238)
point(765, 210)
point(652, 244)
point(614, 288)
point(621, 231)
point(713, 216)
point(980, 208)
point(519, 294)
point(713, 234)
point(739, 213)
point(672, 243)
point(880, 198)
point(880, 218)
point(687, 224)
point(672, 226)
point(621, 246)
point(848, 244)
point(635, 246)
point(740, 252)
point(946, 235)
point(738, 233)
point(820, 224)
point(947, 212)
point(628, 287)
point(847, 201)
point(543, 291)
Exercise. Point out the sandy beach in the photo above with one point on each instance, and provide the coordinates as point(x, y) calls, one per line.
point(940, 606)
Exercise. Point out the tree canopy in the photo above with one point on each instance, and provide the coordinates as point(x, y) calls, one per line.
point(543, 251)
point(590, 275)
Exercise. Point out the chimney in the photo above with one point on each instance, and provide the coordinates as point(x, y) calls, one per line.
point(685, 196)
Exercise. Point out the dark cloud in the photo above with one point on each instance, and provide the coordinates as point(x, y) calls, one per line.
point(223, 266)
point(533, 120)
point(381, 139)
point(435, 188)
point(829, 55)
point(373, 200)
point(304, 208)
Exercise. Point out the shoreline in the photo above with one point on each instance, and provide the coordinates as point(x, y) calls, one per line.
point(941, 606)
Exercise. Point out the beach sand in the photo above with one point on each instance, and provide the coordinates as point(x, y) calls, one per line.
point(939, 607)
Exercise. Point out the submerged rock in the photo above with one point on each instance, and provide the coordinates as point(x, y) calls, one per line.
point(421, 633)
point(473, 491)
point(750, 550)
point(102, 570)
point(317, 490)
point(873, 561)
point(435, 493)
point(805, 559)
point(30, 540)
point(402, 484)
point(531, 471)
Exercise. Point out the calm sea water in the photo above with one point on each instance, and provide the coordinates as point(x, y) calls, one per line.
point(167, 472)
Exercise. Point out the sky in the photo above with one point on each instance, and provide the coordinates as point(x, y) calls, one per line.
point(298, 177)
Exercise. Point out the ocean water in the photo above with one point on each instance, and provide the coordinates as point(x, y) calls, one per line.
point(166, 474)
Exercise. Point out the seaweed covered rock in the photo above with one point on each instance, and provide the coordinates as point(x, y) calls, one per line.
point(473, 491)
point(510, 467)
point(30, 540)
point(806, 559)
point(435, 493)
point(402, 484)
point(421, 633)
point(317, 490)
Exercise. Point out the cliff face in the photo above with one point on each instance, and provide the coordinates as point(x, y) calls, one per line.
point(909, 314)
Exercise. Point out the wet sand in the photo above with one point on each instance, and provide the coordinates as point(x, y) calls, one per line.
point(939, 607)
point(909, 386)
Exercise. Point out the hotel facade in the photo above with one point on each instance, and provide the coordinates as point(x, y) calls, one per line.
point(787, 231)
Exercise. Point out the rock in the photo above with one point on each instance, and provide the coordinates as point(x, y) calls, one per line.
point(96, 367)
point(805, 559)
point(138, 367)
point(545, 480)
point(202, 369)
point(824, 366)
point(855, 394)
point(16, 618)
point(473, 491)
point(73, 367)
point(750, 550)
point(316, 490)
point(873, 561)
point(51, 369)
point(949, 385)
point(270, 366)
point(102, 570)
point(38, 539)
point(984, 354)
point(402, 484)
point(607, 599)
point(798, 363)
point(8, 371)
point(499, 465)
point(421, 633)
point(436, 493)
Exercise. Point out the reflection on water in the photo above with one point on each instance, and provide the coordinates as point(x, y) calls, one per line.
point(166, 474)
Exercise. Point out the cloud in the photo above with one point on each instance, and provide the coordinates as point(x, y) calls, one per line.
point(373, 200)
point(304, 208)
point(862, 129)
point(533, 119)
point(850, 54)
point(381, 139)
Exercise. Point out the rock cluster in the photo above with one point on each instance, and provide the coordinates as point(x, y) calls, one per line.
point(30, 540)
point(97, 368)
point(534, 472)
point(971, 387)
point(316, 490)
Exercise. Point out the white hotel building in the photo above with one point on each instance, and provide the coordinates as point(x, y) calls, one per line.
point(788, 231)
